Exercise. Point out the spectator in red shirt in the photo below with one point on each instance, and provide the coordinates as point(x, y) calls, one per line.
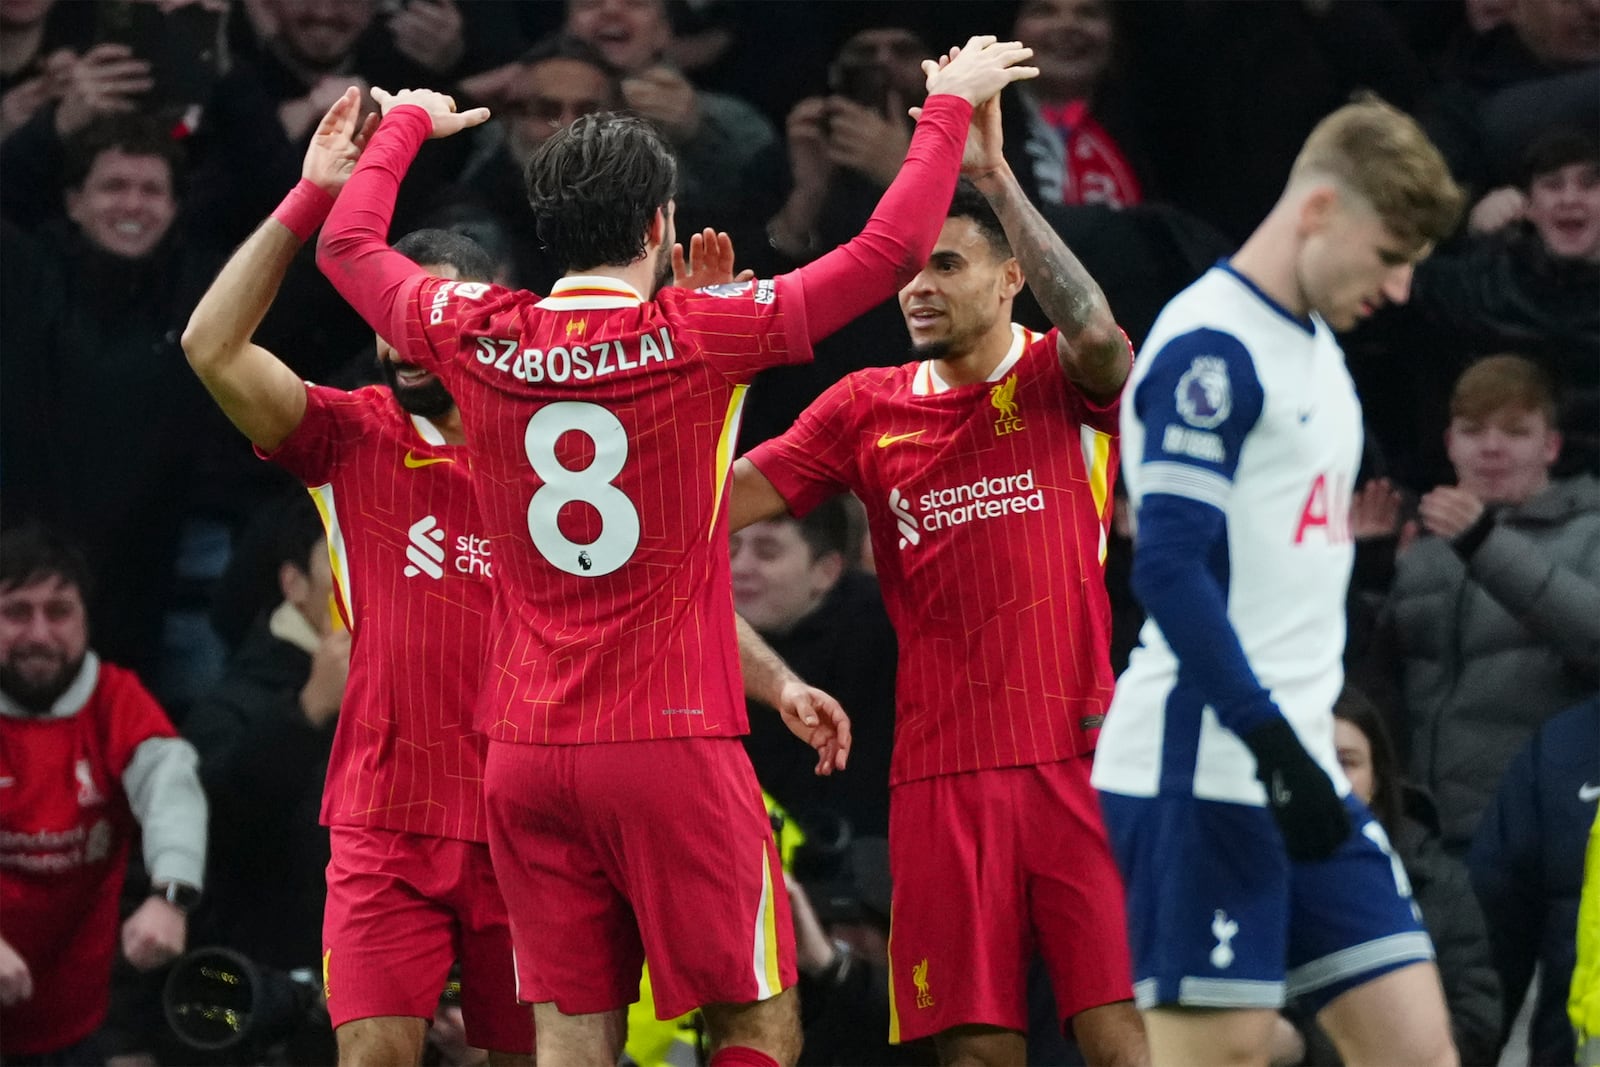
point(87, 760)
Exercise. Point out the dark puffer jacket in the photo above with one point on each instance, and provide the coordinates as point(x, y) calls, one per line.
point(1486, 650)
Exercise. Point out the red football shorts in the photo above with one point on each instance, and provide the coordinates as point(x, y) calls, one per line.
point(990, 867)
point(610, 853)
point(401, 909)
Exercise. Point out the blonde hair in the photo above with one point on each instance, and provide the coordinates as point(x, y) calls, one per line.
point(1380, 153)
point(1495, 383)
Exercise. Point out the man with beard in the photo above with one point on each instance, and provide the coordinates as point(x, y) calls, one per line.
point(87, 759)
point(625, 820)
point(986, 469)
point(410, 887)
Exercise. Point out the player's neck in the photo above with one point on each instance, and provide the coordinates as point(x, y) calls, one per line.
point(1267, 259)
point(977, 363)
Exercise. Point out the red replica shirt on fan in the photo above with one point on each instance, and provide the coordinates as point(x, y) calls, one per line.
point(411, 572)
point(988, 506)
point(65, 826)
point(601, 428)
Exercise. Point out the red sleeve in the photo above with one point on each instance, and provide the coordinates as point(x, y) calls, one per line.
point(816, 458)
point(873, 265)
point(312, 451)
point(135, 717)
point(743, 327)
point(441, 311)
point(353, 251)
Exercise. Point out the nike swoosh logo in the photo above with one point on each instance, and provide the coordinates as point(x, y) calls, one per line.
point(1587, 792)
point(890, 438)
point(413, 461)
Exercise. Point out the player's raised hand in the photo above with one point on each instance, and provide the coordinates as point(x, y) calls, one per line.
point(817, 719)
point(979, 69)
point(337, 144)
point(440, 108)
point(985, 149)
point(709, 262)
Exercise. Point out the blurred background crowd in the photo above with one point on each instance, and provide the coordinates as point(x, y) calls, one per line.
point(141, 141)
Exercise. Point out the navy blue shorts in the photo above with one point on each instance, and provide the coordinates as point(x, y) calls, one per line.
point(1218, 916)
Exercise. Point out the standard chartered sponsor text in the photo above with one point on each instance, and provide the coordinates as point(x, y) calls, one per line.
point(985, 498)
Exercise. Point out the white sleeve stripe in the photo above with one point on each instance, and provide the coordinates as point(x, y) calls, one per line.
point(1179, 479)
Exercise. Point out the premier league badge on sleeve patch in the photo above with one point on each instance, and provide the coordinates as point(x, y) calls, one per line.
point(1204, 395)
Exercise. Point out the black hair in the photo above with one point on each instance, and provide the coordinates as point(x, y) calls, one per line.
point(826, 528)
point(428, 248)
point(132, 135)
point(299, 530)
point(596, 185)
point(968, 203)
point(1559, 148)
point(32, 553)
point(1355, 708)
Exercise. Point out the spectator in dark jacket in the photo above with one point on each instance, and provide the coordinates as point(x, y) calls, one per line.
point(1526, 278)
point(1493, 623)
point(1527, 868)
point(264, 734)
point(793, 582)
point(111, 437)
point(1540, 69)
point(1439, 883)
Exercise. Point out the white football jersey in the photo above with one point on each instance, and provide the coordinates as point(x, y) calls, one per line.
point(1236, 403)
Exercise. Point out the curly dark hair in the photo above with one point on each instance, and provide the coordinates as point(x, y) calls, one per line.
point(595, 186)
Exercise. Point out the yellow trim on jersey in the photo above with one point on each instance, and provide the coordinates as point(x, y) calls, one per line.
point(1097, 463)
point(322, 496)
point(764, 944)
point(725, 445)
point(769, 926)
point(894, 1009)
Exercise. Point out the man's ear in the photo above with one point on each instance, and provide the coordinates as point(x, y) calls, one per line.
point(1552, 446)
point(1321, 203)
point(1012, 278)
point(293, 583)
point(830, 568)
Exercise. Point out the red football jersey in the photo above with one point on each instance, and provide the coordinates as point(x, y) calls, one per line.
point(602, 427)
point(989, 506)
point(411, 571)
point(65, 826)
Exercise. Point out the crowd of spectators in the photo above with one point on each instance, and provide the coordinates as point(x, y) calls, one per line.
point(140, 142)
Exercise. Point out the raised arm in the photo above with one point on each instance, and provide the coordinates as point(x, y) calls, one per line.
point(353, 251)
point(257, 391)
point(1094, 352)
point(872, 266)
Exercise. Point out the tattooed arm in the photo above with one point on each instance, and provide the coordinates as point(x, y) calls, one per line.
point(1094, 352)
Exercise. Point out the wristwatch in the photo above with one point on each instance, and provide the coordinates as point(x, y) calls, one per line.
point(180, 896)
